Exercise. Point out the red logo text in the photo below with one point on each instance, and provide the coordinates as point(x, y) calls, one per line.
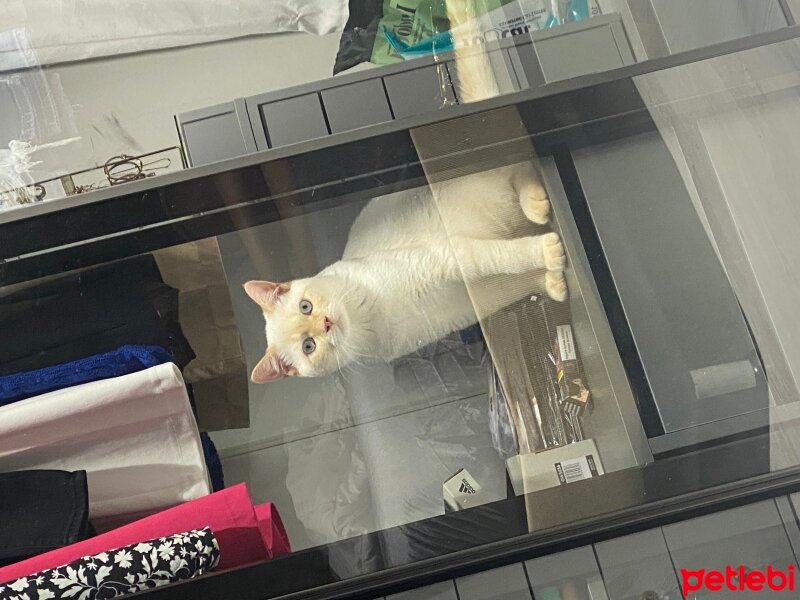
point(737, 580)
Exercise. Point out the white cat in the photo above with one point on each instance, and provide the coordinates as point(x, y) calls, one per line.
point(414, 264)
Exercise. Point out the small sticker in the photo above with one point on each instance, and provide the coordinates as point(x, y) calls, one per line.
point(576, 469)
point(566, 345)
point(466, 488)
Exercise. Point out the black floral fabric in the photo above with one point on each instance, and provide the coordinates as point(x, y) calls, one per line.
point(122, 571)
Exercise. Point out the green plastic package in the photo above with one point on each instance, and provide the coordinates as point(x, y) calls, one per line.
point(413, 21)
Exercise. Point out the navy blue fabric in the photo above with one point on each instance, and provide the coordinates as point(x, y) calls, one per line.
point(122, 361)
point(210, 454)
point(213, 462)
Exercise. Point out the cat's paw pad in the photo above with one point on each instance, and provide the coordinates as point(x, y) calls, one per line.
point(534, 202)
point(555, 259)
point(555, 284)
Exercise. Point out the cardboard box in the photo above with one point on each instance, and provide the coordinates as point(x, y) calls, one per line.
point(557, 466)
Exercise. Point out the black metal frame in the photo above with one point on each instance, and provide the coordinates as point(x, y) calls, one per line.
point(498, 534)
point(143, 216)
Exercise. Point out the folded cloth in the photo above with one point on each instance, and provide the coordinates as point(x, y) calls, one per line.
point(94, 311)
point(120, 571)
point(245, 533)
point(134, 435)
point(122, 361)
point(41, 511)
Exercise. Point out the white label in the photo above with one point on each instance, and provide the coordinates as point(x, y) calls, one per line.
point(726, 378)
point(462, 491)
point(566, 345)
point(576, 469)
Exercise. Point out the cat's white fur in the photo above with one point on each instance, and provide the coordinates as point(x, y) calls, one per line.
point(415, 263)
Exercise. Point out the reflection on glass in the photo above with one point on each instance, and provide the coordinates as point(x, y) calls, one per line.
point(524, 322)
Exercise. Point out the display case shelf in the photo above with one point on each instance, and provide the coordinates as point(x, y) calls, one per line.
point(668, 454)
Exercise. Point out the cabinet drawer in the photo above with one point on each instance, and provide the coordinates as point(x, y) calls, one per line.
point(419, 91)
point(286, 121)
point(216, 133)
point(356, 105)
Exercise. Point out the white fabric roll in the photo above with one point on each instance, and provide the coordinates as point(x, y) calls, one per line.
point(135, 436)
point(67, 30)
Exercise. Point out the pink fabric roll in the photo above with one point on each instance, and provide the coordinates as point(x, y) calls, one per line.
point(245, 533)
point(272, 530)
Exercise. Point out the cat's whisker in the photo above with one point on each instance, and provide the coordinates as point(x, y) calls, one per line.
point(356, 356)
point(339, 363)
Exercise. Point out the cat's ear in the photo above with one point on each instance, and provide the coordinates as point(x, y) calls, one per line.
point(270, 368)
point(265, 293)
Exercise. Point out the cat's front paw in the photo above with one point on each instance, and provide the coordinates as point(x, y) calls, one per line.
point(555, 259)
point(555, 284)
point(534, 202)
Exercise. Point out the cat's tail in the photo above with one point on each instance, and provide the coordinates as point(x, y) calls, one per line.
point(475, 77)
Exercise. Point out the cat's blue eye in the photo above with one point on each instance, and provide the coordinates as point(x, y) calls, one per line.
point(306, 307)
point(309, 345)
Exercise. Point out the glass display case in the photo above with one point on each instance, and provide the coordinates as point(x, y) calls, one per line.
point(350, 350)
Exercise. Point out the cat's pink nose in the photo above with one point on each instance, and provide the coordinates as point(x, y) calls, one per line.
point(326, 324)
